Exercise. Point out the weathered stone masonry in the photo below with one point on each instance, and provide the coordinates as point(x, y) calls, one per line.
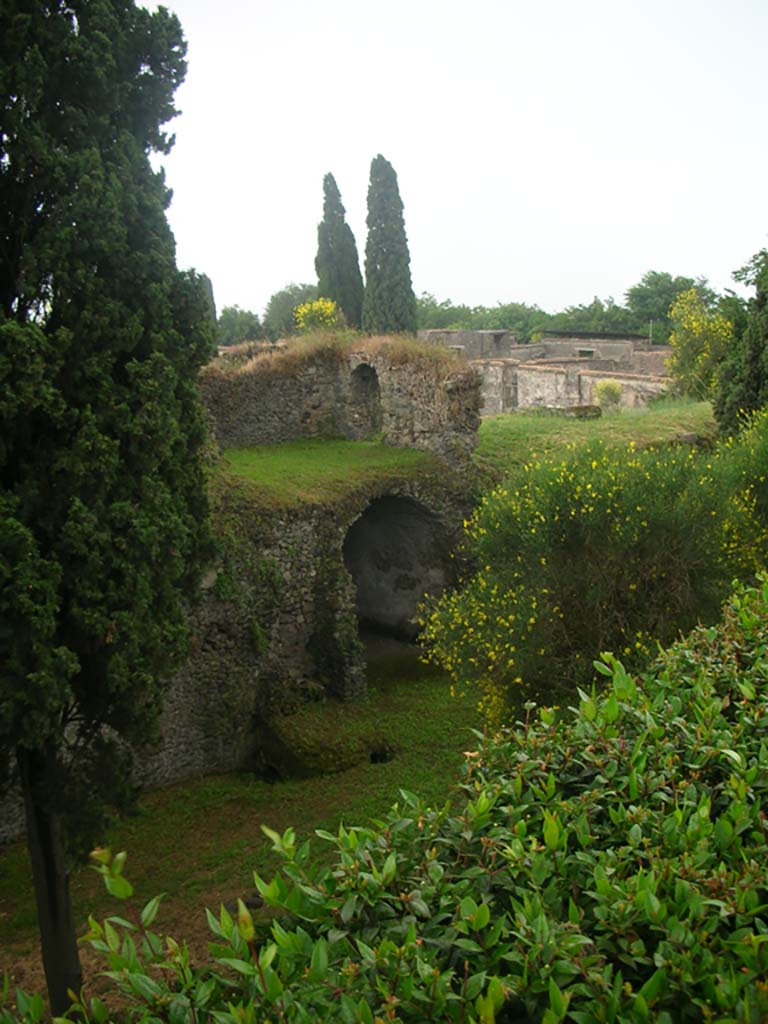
point(558, 372)
point(356, 394)
point(279, 621)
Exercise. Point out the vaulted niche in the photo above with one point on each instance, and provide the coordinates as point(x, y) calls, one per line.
point(365, 401)
point(396, 551)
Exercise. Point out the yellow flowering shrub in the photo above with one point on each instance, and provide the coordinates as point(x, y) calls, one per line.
point(604, 549)
point(318, 315)
point(700, 339)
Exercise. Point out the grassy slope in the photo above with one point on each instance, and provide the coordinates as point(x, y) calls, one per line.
point(200, 842)
point(508, 441)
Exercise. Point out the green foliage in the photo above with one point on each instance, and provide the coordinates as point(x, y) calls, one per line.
point(237, 325)
point(517, 317)
point(598, 316)
point(103, 496)
point(651, 300)
point(206, 286)
point(278, 319)
point(608, 394)
point(603, 864)
point(103, 511)
point(337, 264)
point(700, 340)
point(647, 301)
point(434, 315)
point(601, 550)
point(389, 305)
point(742, 385)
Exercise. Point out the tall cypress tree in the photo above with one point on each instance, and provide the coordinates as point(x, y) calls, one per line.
point(337, 264)
point(103, 513)
point(389, 305)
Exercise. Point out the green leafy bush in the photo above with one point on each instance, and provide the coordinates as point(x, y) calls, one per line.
point(608, 394)
point(603, 864)
point(605, 549)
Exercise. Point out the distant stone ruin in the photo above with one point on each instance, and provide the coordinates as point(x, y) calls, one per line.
point(559, 371)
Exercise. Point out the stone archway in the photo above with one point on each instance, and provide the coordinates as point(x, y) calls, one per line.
point(395, 552)
point(364, 401)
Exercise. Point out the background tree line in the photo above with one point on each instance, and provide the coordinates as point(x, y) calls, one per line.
point(646, 309)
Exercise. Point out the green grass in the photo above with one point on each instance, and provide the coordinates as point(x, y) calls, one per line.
point(316, 471)
point(508, 441)
point(200, 842)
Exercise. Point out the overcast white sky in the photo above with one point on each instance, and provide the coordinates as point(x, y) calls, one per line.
point(546, 152)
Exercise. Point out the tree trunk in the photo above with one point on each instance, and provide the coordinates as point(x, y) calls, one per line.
point(51, 879)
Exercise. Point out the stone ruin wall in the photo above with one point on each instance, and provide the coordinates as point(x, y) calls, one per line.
point(473, 344)
point(499, 378)
point(553, 373)
point(564, 386)
point(653, 361)
point(277, 625)
point(356, 395)
point(508, 385)
point(556, 371)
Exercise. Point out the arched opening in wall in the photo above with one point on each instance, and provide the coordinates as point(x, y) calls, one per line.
point(365, 401)
point(396, 551)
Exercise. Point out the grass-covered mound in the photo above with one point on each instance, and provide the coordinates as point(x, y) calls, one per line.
point(606, 863)
point(313, 471)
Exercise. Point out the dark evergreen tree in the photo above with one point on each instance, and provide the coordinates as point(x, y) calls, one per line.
point(743, 377)
point(207, 286)
point(337, 264)
point(103, 513)
point(389, 305)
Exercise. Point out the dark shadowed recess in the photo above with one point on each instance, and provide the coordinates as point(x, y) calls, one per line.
point(396, 551)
